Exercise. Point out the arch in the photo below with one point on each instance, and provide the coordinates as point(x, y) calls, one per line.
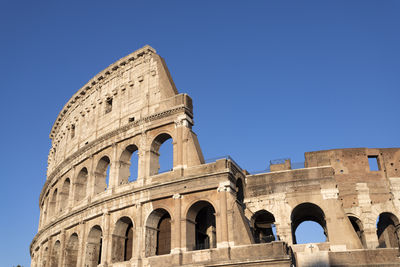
point(158, 233)
point(53, 204)
point(129, 165)
point(64, 194)
point(201, 226)
point(358, 228)
point(102, 175)
point(388, 230)
point(239, 190)
point(307, 212)
point(55, 254)
point(81, 184)
point(166, 154)
point(71, 251)
point(94, 246)
point(263, 224)
point(122, 240)
point(45, 256)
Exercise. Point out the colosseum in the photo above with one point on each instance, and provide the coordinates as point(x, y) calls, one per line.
point(95, 211)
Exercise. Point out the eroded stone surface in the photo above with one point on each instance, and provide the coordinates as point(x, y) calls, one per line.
point(92, 213)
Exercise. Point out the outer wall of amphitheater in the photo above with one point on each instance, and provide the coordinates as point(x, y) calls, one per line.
point(99, 207)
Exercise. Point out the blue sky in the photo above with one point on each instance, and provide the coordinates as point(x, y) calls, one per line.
point(269, 79)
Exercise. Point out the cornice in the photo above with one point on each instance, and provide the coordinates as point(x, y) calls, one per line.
point(107, 136)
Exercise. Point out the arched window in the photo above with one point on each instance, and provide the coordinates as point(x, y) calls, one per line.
point(388, 230)
point(64, 194)
point(359, 229)
point(311, 219)
point(55, 255)
point(201, 230)
point(53, 204)
point(158, 233)
point(102, 175)
point(93, 247)
point(263, 227)
point(122, 240)
point(239, 190)
point(129, 165)
point(161, 154)
point(71, 251)
point(81, 185)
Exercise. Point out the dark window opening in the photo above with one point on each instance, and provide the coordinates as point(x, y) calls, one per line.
point(373, 163)
point(72, 131)
point(108, 108)
point(132, 119)
point(263, 227)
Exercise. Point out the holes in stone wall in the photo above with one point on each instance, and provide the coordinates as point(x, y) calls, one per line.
point(108, 105)
point(72, 131)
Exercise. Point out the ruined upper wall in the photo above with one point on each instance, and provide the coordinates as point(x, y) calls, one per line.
point(129, 90)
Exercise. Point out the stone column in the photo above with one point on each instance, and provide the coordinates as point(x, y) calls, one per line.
point(114, 166)
point(62, 249)
point(176, 233)
point(82, 244)
point(105, 253)
point(223, 238)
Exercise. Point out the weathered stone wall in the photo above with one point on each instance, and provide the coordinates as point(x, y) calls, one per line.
point(197, 213)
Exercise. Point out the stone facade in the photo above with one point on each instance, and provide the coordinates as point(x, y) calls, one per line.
point(198, 213)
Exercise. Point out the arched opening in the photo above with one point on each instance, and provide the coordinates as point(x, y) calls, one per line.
point(81, 185)
point(388, 230)
point(263, 227)
point(201, 230)
point(359, 229)
point(239, 190)
point(55, 255)
point(122, 240)
point(158, 233)
point(129, 165)
point(53, 204)
point(64, 194)
point(71, 251)
point(308, 224)
point(162, 154)
point(102, 175)
point(93, 247)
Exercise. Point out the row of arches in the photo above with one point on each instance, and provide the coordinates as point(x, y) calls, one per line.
point(75, 190)
point(200, 228)
point(263, 227)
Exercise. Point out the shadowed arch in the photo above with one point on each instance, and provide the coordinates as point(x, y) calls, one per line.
point(94, 245)
point(122, 240)
point(81, 185)
point(101, 175)
point(388, 230)
point(358, 228)
point(64, 194)
point(71, 251)
point(201, 226)
point(263, 223)
point(158, 233)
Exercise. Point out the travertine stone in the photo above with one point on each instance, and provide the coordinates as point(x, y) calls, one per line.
point(197, 213)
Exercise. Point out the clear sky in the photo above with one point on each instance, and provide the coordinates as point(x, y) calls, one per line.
point(269, 79)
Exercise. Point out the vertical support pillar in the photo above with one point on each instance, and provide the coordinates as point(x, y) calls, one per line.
point(91, 179)
point(176, 242)
point(143, 161)
point(62, 248)
point(113, 179)
point(223, 189)
point(105, 254)
point(82, 244)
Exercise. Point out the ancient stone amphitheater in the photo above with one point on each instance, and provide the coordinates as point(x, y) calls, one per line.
point(93, 213)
